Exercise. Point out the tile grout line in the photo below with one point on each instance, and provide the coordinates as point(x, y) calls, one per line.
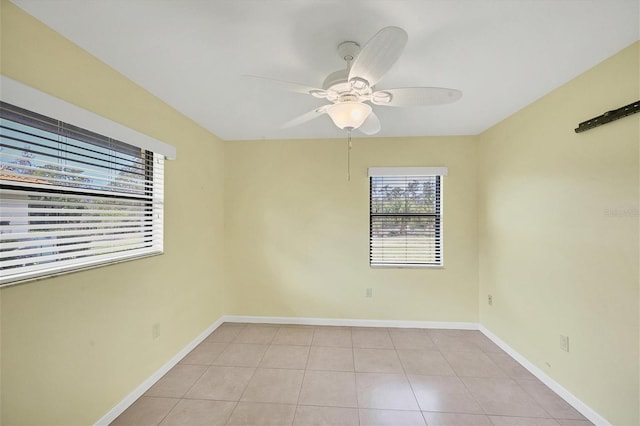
point(169, 412)
point(304, 375)
point(473, 397)
point(180, 398)
point(355, 376)
point(244, 326)
point(406, 375)
point(481, 377)
point(235, 403)
point(250, 378)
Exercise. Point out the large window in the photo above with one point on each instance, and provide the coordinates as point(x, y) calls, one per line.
point(71, 198)
point(405, 216)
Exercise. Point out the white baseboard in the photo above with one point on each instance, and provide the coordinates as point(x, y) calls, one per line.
point(351, 322)
point(571, 399)
point(144, 386)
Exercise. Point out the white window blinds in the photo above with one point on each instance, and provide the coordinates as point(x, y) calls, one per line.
point(71, 198)
point(405, 220)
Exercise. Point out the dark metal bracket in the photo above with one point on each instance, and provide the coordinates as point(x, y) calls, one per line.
point(609, 116)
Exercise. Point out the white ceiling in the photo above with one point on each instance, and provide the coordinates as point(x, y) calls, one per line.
point(503, 54)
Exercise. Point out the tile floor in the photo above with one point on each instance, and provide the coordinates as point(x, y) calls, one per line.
point(248, 374)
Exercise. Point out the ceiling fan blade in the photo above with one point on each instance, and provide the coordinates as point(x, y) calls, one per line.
point(416, 96)
point(378, 55)
point(371, 125)
point(306, 117)
point(290, 86)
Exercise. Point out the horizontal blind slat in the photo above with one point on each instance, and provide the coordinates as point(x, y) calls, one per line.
point(34, 271)
point(41, 190)
point(74, 237)
point(58, 249)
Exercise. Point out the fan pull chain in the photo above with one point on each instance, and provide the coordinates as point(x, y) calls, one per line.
point(349, 146)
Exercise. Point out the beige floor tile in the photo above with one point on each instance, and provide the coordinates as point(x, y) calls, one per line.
point(258, 334)
point(473, 364)
point(204, 354)
point(385, 391)
point(252, 374)
point(549, 400)
point(567, 422)
point(177, 381)
point(485, 344)
point(330, 359)
point(258, 414)
point(307, 415)
point(369, 417)
point(424, 362)
point(332, 336)
point(225, 333)
point(376, 361)
point(367, 338)
point(197, 412)
point(285, 356)
point(221, 383)
point(411, 338)
point(275, 385)
point(452, 419)
point(510, 366)
point(328, 388)
point(146, 411)
point(522, 421)
point(503, 396)
point(471, 334)
point(241, 355)
point(294, 336)
point(443, 393)
point(454, 342)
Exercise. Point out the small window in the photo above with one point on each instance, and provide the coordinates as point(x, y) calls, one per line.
point(405, 217)
point(71, 198)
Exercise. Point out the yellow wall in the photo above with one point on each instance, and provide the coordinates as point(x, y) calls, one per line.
point(558, 236)
point(297, 231)
point(76, 345)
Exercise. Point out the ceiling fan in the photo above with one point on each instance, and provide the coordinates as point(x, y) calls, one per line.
point(351, 90)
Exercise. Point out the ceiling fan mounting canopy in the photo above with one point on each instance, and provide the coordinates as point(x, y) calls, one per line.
point(349, 89)
point(348, 50)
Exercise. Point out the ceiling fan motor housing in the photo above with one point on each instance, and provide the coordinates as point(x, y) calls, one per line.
point(338, 81)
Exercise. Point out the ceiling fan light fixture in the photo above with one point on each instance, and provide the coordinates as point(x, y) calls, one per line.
point(349, 115)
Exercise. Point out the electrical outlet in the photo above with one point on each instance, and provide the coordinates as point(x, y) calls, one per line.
point(490, 300)
point(564, 343)
point(369, 292)
point(155, 331)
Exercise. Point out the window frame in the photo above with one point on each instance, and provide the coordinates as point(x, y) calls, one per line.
point(27, 98)
point(408, 172)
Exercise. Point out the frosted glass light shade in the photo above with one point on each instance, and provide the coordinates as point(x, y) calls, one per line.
point(349, 115)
